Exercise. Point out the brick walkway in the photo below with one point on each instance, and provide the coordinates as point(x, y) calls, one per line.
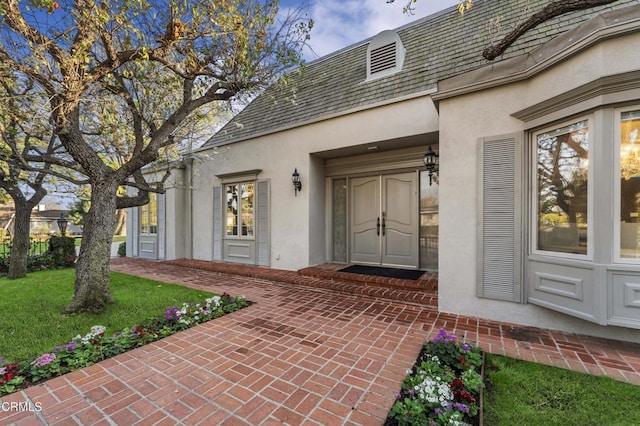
point(318, 354)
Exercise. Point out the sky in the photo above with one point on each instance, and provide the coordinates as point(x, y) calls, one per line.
point(341, 23)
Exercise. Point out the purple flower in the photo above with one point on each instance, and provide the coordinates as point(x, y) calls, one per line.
point(466, 347)
point(443, 337)
point(44, 359)
point(172, 313)
point(438, 410)
point(458, 406)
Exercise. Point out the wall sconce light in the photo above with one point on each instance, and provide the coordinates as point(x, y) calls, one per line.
point(295, 178)
point(431, 162)
point(62, 224)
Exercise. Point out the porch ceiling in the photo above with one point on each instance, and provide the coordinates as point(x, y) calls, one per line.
point(380, 146)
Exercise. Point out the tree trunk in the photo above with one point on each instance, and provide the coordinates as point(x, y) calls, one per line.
point(20, 243)
point(121, 224)
point(92, 287)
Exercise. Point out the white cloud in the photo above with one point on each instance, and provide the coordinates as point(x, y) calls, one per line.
point(341, 23)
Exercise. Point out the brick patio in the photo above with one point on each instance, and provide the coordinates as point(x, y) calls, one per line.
point(315, 348)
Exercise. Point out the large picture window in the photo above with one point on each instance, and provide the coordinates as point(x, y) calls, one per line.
point(562, 156)
point(149, 215)
point(629, 192)
point(240, 210)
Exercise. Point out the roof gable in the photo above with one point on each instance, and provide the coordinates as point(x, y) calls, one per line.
point(437, 47)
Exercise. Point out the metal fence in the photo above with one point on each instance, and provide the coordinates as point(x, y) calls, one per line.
point(39, 244)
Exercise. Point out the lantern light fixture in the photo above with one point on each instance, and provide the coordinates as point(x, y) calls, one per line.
point(297, 184)
point(432, 164)
point(62, 224)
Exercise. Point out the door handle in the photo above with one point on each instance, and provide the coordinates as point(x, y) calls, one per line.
point(384, 225)
point(378, 225)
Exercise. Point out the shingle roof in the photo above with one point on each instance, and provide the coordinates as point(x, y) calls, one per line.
point(437, 47)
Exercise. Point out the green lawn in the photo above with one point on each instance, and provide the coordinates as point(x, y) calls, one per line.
point(523, 393)
point(31, 309)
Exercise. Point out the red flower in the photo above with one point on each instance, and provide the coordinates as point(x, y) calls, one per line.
point(457, 383)
point(464, 395)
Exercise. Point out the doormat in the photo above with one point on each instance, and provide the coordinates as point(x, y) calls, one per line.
point(404, 274)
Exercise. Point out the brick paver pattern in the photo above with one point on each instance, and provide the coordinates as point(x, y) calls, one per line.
point(300, 355)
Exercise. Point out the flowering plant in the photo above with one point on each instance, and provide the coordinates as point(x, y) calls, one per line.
point(443, 386)
point(10, 377)
point(97, 345)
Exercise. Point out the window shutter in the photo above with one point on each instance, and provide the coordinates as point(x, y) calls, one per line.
point(500, 223)
point(264, 240)
point(135, 230)
point(161, 226)
point(217, 223)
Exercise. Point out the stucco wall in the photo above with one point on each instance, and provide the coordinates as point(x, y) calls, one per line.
point(464, 119)
point(298, 222)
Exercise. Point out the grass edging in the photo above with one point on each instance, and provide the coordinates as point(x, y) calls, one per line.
point(97, 345)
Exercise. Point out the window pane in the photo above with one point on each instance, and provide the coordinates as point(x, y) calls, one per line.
point(562, 177)
point(429, 221)
point(149, 215)
point(339, 229)
point(153, 213)
point(630, 184)
point(144, 219)
point(232, 210)
point(247, 209)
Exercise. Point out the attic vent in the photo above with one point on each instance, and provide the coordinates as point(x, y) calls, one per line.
point(385, 55)
point(383, 58)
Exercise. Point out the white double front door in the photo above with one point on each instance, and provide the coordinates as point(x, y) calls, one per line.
point(384, 220)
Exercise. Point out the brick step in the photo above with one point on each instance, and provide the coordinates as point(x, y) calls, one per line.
point(422, 291)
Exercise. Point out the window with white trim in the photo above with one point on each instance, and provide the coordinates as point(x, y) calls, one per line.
point(628, 190)
point(149, 215)
point(240, 210)
point(562, 189)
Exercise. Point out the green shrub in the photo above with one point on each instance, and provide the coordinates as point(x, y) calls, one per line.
point(122, 249)
point(62, 251)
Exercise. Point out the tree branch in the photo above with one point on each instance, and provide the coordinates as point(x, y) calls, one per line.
point(550, 11)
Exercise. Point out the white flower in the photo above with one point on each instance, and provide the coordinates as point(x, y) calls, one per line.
point(434, 390)
point(98, 329)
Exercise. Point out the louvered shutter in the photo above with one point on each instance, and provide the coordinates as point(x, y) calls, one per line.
point(161, 226)
point(264, 240)
point(217, 223)
point(500, 227)
point(134, 215)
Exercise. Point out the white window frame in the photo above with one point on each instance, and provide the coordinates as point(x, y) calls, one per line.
point(239, 212)
point(617, 187)
point(148, 211)
point(533, 173)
